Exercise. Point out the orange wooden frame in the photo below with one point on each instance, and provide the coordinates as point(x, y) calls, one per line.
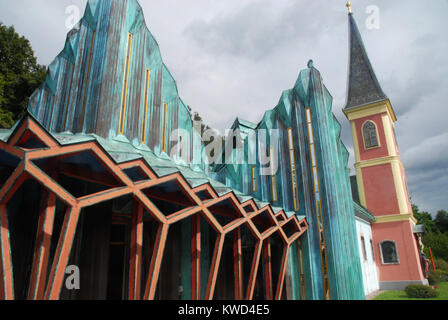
point(51, 289)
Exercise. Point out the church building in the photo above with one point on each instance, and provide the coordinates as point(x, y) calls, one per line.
point(380, 174)
point(107, 190)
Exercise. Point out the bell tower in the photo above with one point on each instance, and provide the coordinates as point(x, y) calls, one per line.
point(380, 172)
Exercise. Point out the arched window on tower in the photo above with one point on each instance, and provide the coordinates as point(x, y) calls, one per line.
point(389, 253)
point(370, 135)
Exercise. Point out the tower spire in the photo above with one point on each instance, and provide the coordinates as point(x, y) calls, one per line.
point(363, 85)
point(349, 7)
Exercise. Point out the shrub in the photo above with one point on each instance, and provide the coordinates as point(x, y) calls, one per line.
point(435, 277)
point(421, 291)
point(441, 265)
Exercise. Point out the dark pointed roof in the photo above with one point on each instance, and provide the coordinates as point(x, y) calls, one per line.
point(363, 86)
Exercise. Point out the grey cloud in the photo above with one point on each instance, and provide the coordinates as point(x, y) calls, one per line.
point(235, 57)
point(259, 29)
point(431, 153)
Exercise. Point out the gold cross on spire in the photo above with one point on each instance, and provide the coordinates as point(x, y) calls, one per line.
point(349, 6)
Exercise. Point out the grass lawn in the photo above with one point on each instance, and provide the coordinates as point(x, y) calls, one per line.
point(401, 295)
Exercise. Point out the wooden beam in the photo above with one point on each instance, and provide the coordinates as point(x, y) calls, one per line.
point(231, 226)
point(183, 214)
point(196, 258)
point(62, 254)
point(171, 198)
point(6, 262)
point(206, 187)
point(136, 252)
point(281, 276)
point(39, 132)
point(83, 173)
point(150, 207)
point(13, 183)
point(102, 196)
point(214, 267)
point(49, 183)
point(15, 151)
point(139, 256)
point(268, 268)
point(156, 262)
point(254, 270)
point(238, 264)
point(42, 247)
point(132, 255)
point(143, 166)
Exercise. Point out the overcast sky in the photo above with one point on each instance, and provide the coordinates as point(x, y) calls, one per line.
point(235, 57)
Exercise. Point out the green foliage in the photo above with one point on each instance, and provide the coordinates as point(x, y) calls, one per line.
point(424, 218)
point(436, 236)
point(421, 291)
point(20, 75)
point(438, 242)
point(401, 295)
point(437, 276)
point(6, 119)
point(441, 221)
point(441, 265)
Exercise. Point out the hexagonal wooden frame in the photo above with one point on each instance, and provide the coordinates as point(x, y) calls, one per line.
point(51, 289)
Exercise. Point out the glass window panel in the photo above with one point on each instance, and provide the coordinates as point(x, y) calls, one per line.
point(363, 247)
point(389, 252)
point(370, 135)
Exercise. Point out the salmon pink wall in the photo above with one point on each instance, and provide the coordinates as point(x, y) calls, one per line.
point(408, 253)
point(379, 188)
point(374, 152)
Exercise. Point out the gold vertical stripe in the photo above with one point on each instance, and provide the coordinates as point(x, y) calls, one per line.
point(145, 116)
point(273, 177)
point(165, 112)
point(301, 270)
point(254, 179)
point(317, 198)
point(292, 161)
point(180, 147)
point(125, 84)
point(86, 83)
point(274, 188)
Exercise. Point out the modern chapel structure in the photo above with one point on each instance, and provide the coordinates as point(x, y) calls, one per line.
point(106, 180)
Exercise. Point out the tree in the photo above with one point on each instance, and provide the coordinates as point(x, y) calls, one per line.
point(441, 221)
point(20, 75)
point(6, 117)
point(438, 242)
point(436, 236)
point(425, 219)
